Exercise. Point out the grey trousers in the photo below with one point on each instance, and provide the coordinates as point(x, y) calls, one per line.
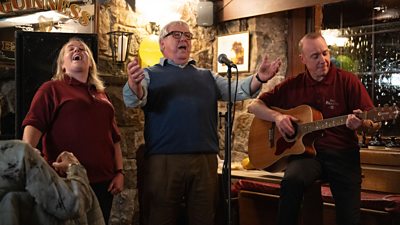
point(180, 186)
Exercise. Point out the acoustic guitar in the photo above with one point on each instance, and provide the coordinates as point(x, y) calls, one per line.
point(269, 150)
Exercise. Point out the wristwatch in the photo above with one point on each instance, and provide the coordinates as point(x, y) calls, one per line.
point(73, 164)
point(73, 168)
point(259, 79)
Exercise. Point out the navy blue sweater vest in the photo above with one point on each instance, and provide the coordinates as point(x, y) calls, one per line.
point(181, 111)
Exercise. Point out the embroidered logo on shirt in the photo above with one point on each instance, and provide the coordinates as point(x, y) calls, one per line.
point(331, 103)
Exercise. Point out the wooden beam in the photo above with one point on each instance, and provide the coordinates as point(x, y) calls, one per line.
point(318, 18)
point(296, 30)
point(236, 9)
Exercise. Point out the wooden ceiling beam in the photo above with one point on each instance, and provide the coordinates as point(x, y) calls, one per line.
point(237, 9)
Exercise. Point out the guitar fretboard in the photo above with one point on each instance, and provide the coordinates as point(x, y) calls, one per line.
point(323, 124)
point(376, 115)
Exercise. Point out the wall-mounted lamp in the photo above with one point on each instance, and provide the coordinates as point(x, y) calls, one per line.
point(333, 37)
point(154, 28)
point(119, 43)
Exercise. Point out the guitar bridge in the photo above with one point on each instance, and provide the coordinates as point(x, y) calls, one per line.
point(271, 136)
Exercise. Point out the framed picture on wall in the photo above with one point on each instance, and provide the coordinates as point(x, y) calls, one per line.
point(236, 48)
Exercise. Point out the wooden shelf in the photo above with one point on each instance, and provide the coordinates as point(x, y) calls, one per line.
point(381, 169)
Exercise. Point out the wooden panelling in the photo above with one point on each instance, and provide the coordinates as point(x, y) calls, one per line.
point(381, 178)
point(385, 157)
point(257, 208)
point(381, 170)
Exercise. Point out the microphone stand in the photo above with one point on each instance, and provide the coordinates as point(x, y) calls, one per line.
point(226, 169)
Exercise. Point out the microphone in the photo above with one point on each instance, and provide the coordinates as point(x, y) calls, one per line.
point(222, 58)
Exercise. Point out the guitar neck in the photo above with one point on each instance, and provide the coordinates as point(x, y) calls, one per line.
point(323, 124)
point(376, 115)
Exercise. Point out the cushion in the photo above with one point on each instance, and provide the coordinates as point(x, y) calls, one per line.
point(255, 186)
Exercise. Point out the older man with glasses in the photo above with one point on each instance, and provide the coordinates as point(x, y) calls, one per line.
point(181, 141)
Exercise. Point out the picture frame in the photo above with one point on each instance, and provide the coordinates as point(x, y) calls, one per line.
point(237, 48)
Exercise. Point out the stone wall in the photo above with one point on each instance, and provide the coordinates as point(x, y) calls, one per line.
point(268, 35)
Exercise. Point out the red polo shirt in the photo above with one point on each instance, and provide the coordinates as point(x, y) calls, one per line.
point(338, 94)
point(75, 117)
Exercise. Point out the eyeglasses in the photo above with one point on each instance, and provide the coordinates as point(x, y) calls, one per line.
point(178, 35)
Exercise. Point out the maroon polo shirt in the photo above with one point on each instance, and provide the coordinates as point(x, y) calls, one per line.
point(75, 117)
point(339, 93)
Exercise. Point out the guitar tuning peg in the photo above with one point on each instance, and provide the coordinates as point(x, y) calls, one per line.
point(396, 109)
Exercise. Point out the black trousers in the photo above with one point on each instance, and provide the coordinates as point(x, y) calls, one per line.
point(341, 169)
point(105, 198)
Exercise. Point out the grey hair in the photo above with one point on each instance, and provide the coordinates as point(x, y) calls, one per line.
point(164, 31)
point(310, 36)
